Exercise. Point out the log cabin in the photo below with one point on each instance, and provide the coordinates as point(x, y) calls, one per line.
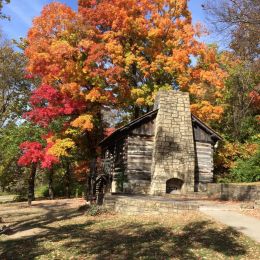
point(168, 150)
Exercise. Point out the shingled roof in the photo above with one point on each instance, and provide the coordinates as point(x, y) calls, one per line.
point(124, 130)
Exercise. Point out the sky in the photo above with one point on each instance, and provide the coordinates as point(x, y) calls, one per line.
point(23, 11)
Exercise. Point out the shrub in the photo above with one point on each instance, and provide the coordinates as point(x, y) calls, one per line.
point(20, 198)
point(42, 191)
point(95, 210)
point(247, 170)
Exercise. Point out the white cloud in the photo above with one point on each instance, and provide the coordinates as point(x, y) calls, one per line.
point(24, 10)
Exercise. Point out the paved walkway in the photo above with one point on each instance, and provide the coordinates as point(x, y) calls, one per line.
point(250, 226)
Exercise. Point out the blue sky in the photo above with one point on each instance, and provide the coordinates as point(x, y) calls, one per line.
point(23, 11)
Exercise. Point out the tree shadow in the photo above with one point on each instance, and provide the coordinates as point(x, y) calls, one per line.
point(146, 240)
point(52, 213)
point(100, 239)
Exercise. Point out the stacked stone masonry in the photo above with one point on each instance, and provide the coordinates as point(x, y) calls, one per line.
point(149, 205)
point(233, 192)
point(173, 154)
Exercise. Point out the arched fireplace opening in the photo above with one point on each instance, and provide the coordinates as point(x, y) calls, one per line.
point(173, 186)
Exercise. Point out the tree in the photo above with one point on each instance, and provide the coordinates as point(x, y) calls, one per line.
point(240, 19)
point(240, 99)
point(34, 154)
point(138, 47)
point(11, 137)
point(115, 56)
point(239, 22)
point(14, 88)
point(2, 2)
point(150, 49)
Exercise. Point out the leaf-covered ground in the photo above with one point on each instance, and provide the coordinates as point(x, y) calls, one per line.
point(252, 213)
point(57, 230)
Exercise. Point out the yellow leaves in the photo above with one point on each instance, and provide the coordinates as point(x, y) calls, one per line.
point(140, 96)
point(136, 92)
point(144, 96)
point(93, 95)
point(85, 44)
point(84, 122)
point(183, 81)
point(155, 32)
point(98, 95)
point(62, 147)
point(61, 49)
point(140, 101)
point(129, 60)
point(71, 88)
point(72, 132)
point(206, 111)
point(197, 89)
point(116, 51)
point(230, 152)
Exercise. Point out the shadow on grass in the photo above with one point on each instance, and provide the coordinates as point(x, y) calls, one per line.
point(128, 241)
point(52, 213)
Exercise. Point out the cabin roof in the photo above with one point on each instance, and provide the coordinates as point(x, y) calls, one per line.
point(122, 131)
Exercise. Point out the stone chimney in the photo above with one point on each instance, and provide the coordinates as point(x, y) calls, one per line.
point(173, 162)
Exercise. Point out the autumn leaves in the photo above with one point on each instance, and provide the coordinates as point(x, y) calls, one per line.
point(117, 55)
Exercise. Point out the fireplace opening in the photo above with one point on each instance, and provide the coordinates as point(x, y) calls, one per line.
point(173, 186)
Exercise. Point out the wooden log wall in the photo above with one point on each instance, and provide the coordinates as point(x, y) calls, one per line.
point(204, 162)
point(139, 157)
point(120, 164)
point(139, 162)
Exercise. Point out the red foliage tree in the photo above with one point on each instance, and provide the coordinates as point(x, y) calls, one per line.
point(48, 103)
point(33, 154)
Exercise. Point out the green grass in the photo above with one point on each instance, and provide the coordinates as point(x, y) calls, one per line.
point(59, 231)
point(6, 198)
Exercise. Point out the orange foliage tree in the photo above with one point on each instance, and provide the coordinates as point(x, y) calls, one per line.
point(116, 54)
point(141, 46)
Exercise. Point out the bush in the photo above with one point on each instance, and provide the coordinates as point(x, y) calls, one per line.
point(42, 191)
point(247, 170)
point(95, 210)
point(20, 198)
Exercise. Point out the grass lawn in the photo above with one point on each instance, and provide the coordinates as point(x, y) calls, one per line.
point(6, 198)
point(56, 230)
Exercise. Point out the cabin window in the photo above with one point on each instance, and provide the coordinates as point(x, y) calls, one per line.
point(173, 186)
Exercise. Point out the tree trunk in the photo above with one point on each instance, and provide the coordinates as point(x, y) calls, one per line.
point(136, 112)
point(92, 156)
point(67, 180)
point(51, 192)
point(88, 188)
point(31, 181)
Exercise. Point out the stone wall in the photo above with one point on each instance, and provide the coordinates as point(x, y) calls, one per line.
point(146, 205)
point(173, 154)
point(233, 191)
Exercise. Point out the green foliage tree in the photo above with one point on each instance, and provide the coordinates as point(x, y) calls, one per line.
point(11, 136)
point(241, 109)
point(14, 87)
point(247, 170)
